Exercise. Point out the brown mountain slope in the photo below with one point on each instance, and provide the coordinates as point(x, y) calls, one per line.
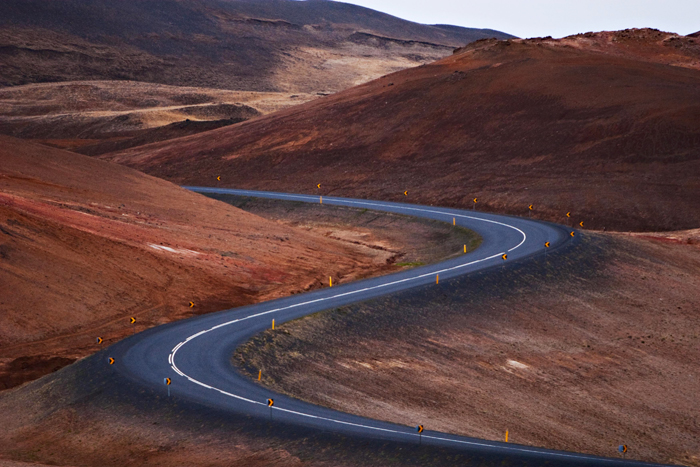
point(604, 125)
point(260, 45)
point(84, 244)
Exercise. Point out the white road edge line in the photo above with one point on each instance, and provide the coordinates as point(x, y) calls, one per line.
point(171, 357)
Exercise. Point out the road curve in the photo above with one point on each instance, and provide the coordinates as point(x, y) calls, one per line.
point(196, 353)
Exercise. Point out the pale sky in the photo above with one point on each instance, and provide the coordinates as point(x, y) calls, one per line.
point(536, 18)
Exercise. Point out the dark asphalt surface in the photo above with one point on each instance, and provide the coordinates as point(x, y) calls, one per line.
point(196, 353)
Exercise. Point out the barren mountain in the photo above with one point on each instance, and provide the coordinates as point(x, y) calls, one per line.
point(85, 244)
point(604, 125)
point(254, 45)
point(99, 76)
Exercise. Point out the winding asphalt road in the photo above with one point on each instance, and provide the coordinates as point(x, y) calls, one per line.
point(196, 353)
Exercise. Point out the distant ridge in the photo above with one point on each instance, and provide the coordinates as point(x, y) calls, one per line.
point(261, 45)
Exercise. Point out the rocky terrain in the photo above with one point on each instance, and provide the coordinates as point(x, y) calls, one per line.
point(604, 125)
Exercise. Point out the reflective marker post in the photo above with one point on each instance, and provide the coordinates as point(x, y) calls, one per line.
point(270, 403)
point(419, 429)
point(622, 449)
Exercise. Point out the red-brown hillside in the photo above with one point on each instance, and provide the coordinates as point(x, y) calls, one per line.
point(85, 244)
point(605, 125)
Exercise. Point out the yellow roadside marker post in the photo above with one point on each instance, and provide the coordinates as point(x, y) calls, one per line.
point(330, 282)
point(320, 200)
point(437, 278)
point(506, 436)
point(419, 429)
point(454, 222)
point(273, 324)
point(465, 248)
point(259, 375)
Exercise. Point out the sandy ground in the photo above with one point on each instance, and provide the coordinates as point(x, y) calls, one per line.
point(596, 348)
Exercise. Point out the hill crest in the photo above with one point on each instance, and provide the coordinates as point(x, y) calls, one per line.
point(602, 124)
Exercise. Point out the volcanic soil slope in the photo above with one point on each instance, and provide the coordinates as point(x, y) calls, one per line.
point(604, 125)
point(594, 347)
point(85, 244)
